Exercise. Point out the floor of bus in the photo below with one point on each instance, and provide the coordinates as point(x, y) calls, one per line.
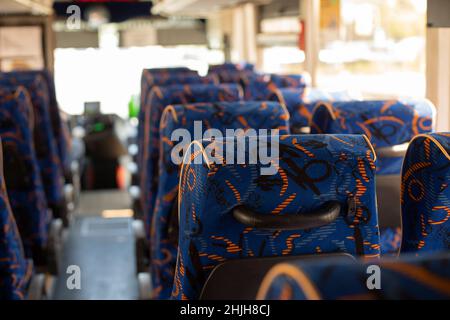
point(102, 247)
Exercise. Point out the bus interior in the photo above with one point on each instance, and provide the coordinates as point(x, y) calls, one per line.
point(225, 150)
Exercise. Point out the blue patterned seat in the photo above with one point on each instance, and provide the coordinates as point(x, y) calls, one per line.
point(258, 88)
point(22, 173)
point(386, 123)
point(228, 66)
point(163, 77)
point(300, 104)
point(297, 81)
point(310, 172)
point(410, 278)
point(15, 269)
point(44, 141)
point(159, 98)
point(59, 127)
point(426, 194)
point(221, 116)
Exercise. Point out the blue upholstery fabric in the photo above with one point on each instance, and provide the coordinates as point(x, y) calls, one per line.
point(59, 127)
point(220, 116)
point(426, 194)
point(15, 270)
point(409, 278)
point(159, 98)
point(45, 144)
point(311, 170)
point(228, 66)
point(258, 88)
point(300, 103)
point(231, 76)
point(386, 123)
point(165, 77)
point(23, 178)
point(390, 241)
point(297, 81)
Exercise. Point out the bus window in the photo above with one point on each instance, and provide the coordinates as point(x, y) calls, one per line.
point(368, 46)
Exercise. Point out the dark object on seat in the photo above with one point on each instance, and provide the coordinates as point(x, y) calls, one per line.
point(248, 274)
point(426, 194)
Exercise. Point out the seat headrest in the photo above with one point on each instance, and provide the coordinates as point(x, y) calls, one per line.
point(385, 122)
point(176, 94)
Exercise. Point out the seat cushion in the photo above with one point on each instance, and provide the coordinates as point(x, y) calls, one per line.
point(309, 171)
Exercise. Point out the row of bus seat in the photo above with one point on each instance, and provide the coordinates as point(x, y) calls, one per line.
point(199, 216)
point(35, 178)
point(411, 278)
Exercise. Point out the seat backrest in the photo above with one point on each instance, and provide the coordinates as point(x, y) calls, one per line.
point(22, 173)
point(15, 269)
point(407, 278)
point(151, 79)
point(228, 66)
point(300, 104)
point(426, 194)
point(192, 120)
point(297, 81)
point(315, 176)
point(164, 76)
point(44, 141)
point(386, 123)
point(159, 98)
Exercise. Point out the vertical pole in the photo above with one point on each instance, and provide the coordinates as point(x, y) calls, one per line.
point(251, 31)
point(310, 13)
point(438, 74)
point(238, 52)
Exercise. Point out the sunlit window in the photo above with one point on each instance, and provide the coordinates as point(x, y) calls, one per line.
point(375, 47)
point(112, 76)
